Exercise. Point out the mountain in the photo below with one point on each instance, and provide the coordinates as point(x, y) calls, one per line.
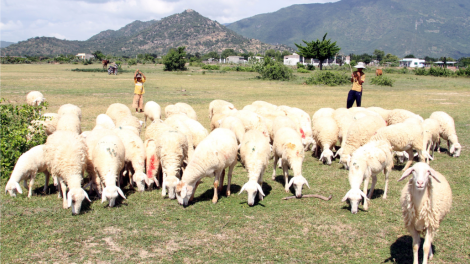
point(4, 44)
point(420, 27)
point(189, 28)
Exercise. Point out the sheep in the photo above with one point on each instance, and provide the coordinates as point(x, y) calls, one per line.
point(215, 153)
point(104, 121)
point(264, 104)
point(323, 112)
point(378, 72)
point(70, 109)
point(152, 134)
point(69, 122)
point(253, 121)
point(447, 132)
point(67, 161)
point(178, 124)
point(236, 125)
point(187, 109)
point(198, 132)
point(399, 115)
point(303, 121)
point(325, 134)
point(28, 165)
point(368, 161)
point(220, 107)
point(117, 112)
point(379, 110)
point(431, 130)
point(134, 157)
point(216, 120)
point(425, 201)
point(404, 137)
point(108, 160)
point(288, 147)
point(131, 121)
point(401, 156)
point(35, 98)
point(283, 121)
point(153, 111)
point(265, 109)
point(343, 119)
point(49, 124)
point(254, 153)
point(359, 133)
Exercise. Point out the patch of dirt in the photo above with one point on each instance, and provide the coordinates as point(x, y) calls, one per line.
point(112, 246)
point(112, 230)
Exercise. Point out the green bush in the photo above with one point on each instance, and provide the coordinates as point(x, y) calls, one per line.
point(210, 67)
point(272, 70)
point(14, 129)
point(196, 64)
point(382, 81)
point(131, 62)
point(328, 78)
point(310, 67)
point(420, 71)
point(302, 70)
point(440, 72)
point(174, 60)
point(300, 65)
point(90, 70)
point(463, 72)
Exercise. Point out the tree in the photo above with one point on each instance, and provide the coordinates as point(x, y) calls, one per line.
point(410, 56)
point(391, 58)
point(98, 55)
point(174, 60)
point(211, 54)
point(228, 52)
point(320, 50)
point(379, 54)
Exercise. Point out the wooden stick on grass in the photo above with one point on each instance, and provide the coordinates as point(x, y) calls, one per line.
point(309, 196)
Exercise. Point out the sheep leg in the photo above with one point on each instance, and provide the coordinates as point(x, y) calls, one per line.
point(427, 251)
point(216, 185)
point(229, 177)
point(260, 182)
point(410, 159)
point(64, 193)
point(31, 183)
point(366, 185)
point(439, 145)
point(25, 184)
point(386, 172)
point(46, 186)
point(428, 148)
point(221, 181)
point(194, 191)
point(416, 242)
point(274, 167)
point(145, 121)
point(286, 175)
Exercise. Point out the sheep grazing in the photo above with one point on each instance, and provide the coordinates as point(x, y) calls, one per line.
point(28, 165)
point(152, 134)
point(379, 110)
point(117, 112)
point(104, 121)
point(177, 123)
point(65, 154)
point(108, 160)
point(187, 110)
point(431, 130)
point(254, 153)
point(253, 121)
point(368, 161)
point(396, 116)
point(215, 153)
point(220, 107)
point(153, 111)
point(216, 120)
point(328, 112)
point(303, 121)
point(131, 121)
point(359, 133)
point(447, 132)
point(70, 109)
point(425, 201)
point(288, 147)
point(69, 122)
point(283, 121)
point(236, 125)
point(378, 72)
point(198, 131)
point(325, 134)
point(35, 98)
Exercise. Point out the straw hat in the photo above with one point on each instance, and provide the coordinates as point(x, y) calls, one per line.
point(360, 65)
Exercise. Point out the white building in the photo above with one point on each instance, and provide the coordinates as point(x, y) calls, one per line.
point(235, 59)
point(412, 63)
point(85, 56)
point(293, 59)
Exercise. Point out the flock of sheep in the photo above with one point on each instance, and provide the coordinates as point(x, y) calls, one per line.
point(178, 152)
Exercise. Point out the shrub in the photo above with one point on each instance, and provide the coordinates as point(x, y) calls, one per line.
point(174, 60)
point(210, 67)
point(420, 71)
point(131, 62)
point(196, 64)
point(300, 65)
point(440, 72)
point(328, 78)
point(463, 72)
point(14, 129)
point(302, 70)
point(310, 67)
point(382, 81)
point(273, 70)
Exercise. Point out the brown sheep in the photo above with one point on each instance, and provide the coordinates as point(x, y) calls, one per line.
point(378, 72)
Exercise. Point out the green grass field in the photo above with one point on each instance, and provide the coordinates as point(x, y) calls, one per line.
point(146, 228)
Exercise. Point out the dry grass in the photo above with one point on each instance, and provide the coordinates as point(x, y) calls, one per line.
point(148, 228)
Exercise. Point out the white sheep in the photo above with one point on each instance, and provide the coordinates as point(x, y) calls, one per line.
point(104, 121)
point(401, 156)
point(220, 107)
point(283, 121)
point(384, 113)
point(303, 121)
point(153, 111)
point(65, 154)
point(180, 125)
point(253, 121)
point(70, 109)
point(359, 133)
point(216, 120)
point(48, 122)
point(288, 147)
point(215, 153)
point(134, 157)
point(264, 104)
point(28, 165)
point(323, 112)
point(131, 121)
point(152, 134)
point(236, 125)
point(396, 116)
point(108, 160)
point(198, 131)
point(343, 119)
point(366, 162)
point(117, 112)
point(254, 153)
point(35, 98)
point(431, 130)
point(69, 122)
point(447, 132)
point(325, 134)
point(187, 110)
point(425, 201)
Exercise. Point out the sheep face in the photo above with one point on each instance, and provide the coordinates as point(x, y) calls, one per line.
point(183, 193)
point(355, 197)
point(252, 187)
point(455, 149)
point(345, 160)
point(298, 182)
point(139, 179)
point(421, 172)
point(111, 193)
point(170, 183)
point(326, 156)
point(75, 198)
point(12, 188)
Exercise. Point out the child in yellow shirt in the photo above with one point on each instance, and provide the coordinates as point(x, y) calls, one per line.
point(138, 102)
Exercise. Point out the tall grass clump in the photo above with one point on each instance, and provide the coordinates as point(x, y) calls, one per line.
point(440, 72)
point(463, 72)
point(328, 78)
point(382, 81)
point(210, 67)
point(272, 70)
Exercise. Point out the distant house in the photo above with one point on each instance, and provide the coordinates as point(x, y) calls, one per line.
point(412, 63)
point(235, 59)
point(258, 58)
point(293, 59)
point(85, 56)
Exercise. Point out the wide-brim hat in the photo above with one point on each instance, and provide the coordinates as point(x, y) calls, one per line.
point(360, 65)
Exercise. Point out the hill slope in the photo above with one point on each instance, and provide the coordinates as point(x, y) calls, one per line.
point(401, 27)
point(189, 28)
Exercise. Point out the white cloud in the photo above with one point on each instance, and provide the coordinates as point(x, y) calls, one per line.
point(11, 25)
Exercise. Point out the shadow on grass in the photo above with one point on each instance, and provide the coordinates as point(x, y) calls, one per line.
point(209, 193)
point(401, 251)
point(51, 189)
point(348, 207)
point(377, 193)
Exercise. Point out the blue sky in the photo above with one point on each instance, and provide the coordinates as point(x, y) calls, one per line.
point(81, 19)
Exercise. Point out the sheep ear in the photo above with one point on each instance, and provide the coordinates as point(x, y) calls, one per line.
point(321, 156)
point(306, 183)
point(69, 199)
point(183, 191)
point(345, 197)
point(260, 190)
point(406, 174)
point(433, 173)
point(243, 188)
point(290, 182)
point(86, 195)
point(336, 154)
point(121, 193)
point(452, 149)
point(364, 195)
point(18, 187)
point(103, 196)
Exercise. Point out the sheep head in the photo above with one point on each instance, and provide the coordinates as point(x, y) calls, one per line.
point(455, 146)
point(183, 193)
point(345, 160)
point(252, 187)
point(170, 183)
point(326, 156)
point(355, 197)
point(421, 172)
point(298, 182)
point(140, 179)
point(111, 193)
point(75, 198)
point(13, 187)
